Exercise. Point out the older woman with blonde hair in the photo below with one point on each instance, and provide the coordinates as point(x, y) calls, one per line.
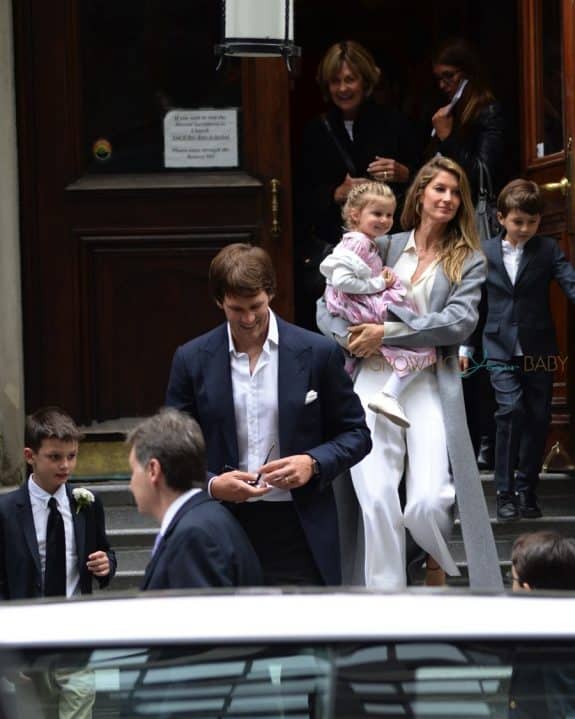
point(439, 261)
point(353, 140)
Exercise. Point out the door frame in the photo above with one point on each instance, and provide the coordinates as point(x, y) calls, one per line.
point(557, 220)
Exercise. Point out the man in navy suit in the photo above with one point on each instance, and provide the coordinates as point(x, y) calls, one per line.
point(280, 418)
point(519, 343)
point(51, 439)
point(200, 544)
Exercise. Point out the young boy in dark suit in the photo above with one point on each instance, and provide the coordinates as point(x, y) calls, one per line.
point(53, 544)
point(52, 538)
point(519, 343)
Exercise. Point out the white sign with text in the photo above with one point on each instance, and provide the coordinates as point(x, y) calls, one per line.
point(201, 138)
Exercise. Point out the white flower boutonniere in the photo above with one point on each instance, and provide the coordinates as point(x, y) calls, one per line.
point(83, 497)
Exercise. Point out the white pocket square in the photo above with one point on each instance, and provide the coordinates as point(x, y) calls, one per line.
point(310, 397)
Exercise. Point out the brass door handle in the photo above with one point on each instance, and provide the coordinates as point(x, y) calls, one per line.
point(563, 186)
point(276, 228)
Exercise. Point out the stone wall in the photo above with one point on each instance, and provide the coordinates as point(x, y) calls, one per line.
point(11, 353)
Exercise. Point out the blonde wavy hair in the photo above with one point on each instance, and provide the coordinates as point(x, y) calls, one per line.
point(460, 237)
point(360, 195)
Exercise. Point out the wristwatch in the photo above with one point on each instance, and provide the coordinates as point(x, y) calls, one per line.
point(315, 469)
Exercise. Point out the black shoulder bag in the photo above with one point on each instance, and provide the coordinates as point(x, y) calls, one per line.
point(317, 249)
point(486, 210)
point(348, 162)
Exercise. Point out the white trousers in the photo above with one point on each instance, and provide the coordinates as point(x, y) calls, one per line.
point(421, 452)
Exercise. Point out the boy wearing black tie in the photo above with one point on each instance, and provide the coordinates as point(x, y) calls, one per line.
point(52, 539)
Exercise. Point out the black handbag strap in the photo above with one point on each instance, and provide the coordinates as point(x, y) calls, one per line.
point(340, 148)
point(485, 185)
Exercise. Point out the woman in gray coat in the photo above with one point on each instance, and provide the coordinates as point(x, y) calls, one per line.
point(440, 264)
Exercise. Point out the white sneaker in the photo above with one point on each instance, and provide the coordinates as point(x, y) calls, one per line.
point(387, 405)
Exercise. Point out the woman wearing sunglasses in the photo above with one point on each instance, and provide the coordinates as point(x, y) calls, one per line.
point(469, 127)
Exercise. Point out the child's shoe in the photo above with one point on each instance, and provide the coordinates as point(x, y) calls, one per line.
point(387, 405)
point(528, 507)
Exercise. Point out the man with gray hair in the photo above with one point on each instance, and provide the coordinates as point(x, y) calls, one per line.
point(200, 543)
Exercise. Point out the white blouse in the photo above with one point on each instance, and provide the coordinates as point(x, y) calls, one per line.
point(419, 291)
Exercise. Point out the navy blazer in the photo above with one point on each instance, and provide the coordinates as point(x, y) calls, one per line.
point(332, 428)
point(204, 546)
point(20, 567)
point(522, 311)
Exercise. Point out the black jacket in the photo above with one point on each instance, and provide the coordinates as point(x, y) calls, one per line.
point(378, 131)
point(20, 570)
point(522, 311)
point(482, 139)
point(204, 546)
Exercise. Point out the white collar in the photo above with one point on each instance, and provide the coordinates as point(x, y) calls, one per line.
point(510, 247)
point(272, 335)
point(172, 510)
point(40, 494)
point(410, 245)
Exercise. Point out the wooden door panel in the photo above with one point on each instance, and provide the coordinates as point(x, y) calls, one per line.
point(539, 73)
point(111, 260)
point(143, 296)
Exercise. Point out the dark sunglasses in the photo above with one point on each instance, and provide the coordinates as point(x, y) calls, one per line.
point(446, 76)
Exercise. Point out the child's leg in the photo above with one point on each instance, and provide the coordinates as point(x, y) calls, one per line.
point(396, 383)
point(509, 418)
point(537, 394)
point(386, 402)
point(406, 364)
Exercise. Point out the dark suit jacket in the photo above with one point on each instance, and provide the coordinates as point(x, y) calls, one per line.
point(522, 311)
point(20, 568)
point(204, 546)
point(332, 428)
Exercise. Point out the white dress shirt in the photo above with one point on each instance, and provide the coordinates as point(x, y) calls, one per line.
point(512, 255)
point(172, 510)
point(256, 406)
point(39, 499)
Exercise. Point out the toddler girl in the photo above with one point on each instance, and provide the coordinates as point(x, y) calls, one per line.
point(360, 289)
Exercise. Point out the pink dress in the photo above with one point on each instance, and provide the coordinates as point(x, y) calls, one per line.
point(368, 303)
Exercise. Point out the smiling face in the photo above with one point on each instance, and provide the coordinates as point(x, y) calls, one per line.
point(519, 226)
point(248, 317)
point(448, 78)
point(347, 91)
point(53, 463)
point(441, 198)
point(375, 218)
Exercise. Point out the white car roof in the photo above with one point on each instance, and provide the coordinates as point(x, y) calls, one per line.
point(248, 616)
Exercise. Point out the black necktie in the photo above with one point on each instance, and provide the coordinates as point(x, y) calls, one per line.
point(55, 578)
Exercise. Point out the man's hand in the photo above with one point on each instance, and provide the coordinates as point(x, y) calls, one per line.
point(288, 472)
point(463, 364)
point(365, 340)
point(98, 564)
point(233, 486)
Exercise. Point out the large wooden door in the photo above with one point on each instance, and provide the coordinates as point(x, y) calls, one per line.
point(115, 257)
point(548, 130)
